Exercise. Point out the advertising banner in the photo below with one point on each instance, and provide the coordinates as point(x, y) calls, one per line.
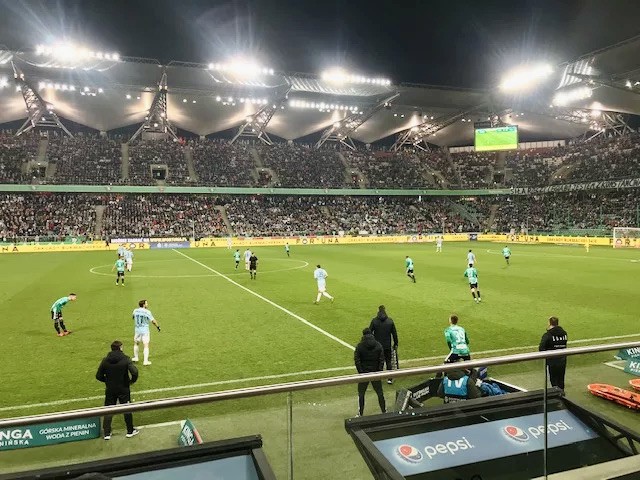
point(51, 247)
point(154, 245)
point(189, 435)
point(633, 367)
point(49, 433)
point(549, 239)
point(628, 353)
point(428, 452)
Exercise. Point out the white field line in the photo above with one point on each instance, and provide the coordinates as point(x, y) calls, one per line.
point(273, 304)
point(288, 375)
point(159, 425)
point(615, 364)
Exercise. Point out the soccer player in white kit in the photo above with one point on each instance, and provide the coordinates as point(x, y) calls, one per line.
point(471, 258)
point(142, 316)
point(320, 274)
point(128, 256)
point(439, 245)
point(247, 256)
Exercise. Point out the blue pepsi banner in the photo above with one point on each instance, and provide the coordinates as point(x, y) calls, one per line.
point(169, 244)
point(428, 452)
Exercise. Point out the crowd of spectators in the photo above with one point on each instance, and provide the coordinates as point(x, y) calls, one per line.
point(162, 215)
point(62, 215)
point(280, 215)
point(219, 163)
point(144, 154)
point(36, 216)
point(85, 159)
point(383, 169)
point(475, 169)
point(14, 152)
point(301, 166)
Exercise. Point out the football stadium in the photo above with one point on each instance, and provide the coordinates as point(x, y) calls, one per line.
point(239, 249)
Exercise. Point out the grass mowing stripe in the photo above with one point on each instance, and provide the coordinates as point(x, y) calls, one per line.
point(273, 304)
point(292, 374)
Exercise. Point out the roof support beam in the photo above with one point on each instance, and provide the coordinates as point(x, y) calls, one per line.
point(341, 131)
point(157, 119)
point(256, 124)
point(40, 114)
point(417, 136)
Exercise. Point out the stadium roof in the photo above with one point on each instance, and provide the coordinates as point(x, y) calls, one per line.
point(107, 95)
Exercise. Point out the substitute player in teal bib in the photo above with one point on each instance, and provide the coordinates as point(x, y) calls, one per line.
point(119, 266)
point(56, 314)
point(408, 263)
point(457, 340)
point(472, 275)
point(506, 253)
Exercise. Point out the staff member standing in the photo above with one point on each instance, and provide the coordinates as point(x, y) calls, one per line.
point(369, 357)
point(114, 371)
point(555, 339)
point(384, 330)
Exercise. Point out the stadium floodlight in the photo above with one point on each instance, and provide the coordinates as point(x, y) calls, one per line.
point(128, 97)
point(241, 67)
point(184, 100)
point(565, 97)
point(339, 76)
point(525, 77)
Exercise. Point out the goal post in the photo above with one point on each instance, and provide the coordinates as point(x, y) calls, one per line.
point(626, 237)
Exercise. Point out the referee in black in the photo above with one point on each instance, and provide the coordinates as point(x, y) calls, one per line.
point(555, 338)
point(117, 372)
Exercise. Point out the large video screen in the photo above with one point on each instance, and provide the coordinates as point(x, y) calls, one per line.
point(498, 138)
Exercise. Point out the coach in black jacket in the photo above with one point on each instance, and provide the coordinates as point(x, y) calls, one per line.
point(369, 357)
point(384, 330)
point(555, 339)
point(114, 371)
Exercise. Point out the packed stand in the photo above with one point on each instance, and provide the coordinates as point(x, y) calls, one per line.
point(162, 215)
point(85, 159)
point(278, 215)
point(41, 216)
point(300, 166)
point(219, 163)
point(475, 168)
point(14, 152)
point(383, 169)
point(560, 211)
point(532, 168)
point(143, 154)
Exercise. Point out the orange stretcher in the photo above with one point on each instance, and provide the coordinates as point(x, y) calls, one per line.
point(635, 383)
point(620, 396)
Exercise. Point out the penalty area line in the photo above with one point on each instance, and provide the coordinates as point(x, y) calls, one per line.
point(270, 302)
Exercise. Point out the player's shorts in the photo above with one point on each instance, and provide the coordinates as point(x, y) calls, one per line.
point(473, 285)
point(507, 257)
point(410, 270)
point(120, 274)
point(56, 315)
point(143, 337)
point(129, 263)
point(322, 288)
point(253, 267)
point(456, 357)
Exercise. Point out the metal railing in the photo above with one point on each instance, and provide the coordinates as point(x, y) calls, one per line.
point(301, 385)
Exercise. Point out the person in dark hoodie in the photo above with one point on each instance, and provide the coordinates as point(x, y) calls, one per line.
point(384, 330)
point(555, 338)
point(117, 372)
point(369, 357)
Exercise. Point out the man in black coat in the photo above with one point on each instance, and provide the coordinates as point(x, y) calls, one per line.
point(384, 330)
point(114, 371)
point(369, 357)
point(555, 339)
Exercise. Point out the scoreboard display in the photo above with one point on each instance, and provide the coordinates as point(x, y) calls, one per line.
point(497, 138)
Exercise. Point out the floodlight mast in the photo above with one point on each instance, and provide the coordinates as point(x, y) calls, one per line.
point(256, 124)
point(417, 136)
point(340, 131)
point(157, 119)
point(39, 113)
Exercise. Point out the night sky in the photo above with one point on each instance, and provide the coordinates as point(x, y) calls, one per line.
point(464, 43)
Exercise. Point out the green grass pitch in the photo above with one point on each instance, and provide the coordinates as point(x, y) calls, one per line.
point(217, 335)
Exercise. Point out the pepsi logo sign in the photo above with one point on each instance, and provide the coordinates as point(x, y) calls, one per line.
point(516, 433)
point(409, 453)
